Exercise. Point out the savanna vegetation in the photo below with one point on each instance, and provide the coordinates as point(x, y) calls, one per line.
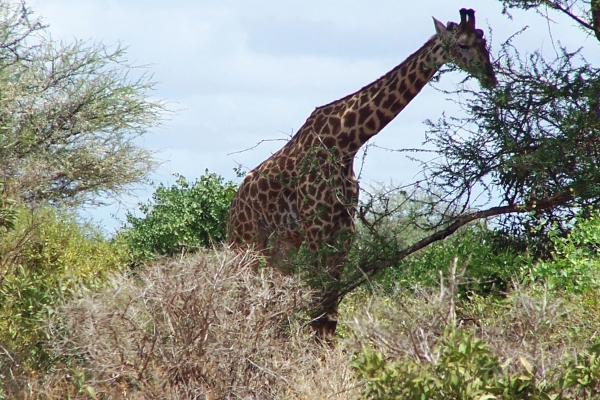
point(445, 296)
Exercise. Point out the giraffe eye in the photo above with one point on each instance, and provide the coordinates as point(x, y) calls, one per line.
point(463, 46)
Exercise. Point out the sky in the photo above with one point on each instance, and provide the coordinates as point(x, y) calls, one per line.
point(243, 76)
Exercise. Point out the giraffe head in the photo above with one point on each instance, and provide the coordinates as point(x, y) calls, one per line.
point(465, 47)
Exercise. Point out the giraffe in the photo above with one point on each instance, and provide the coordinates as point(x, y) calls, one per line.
point(307, 191)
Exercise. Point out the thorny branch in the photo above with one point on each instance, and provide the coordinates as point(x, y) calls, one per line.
point(369, 270)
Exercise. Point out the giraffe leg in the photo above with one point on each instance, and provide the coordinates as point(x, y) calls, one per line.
point(325, 321)
point(328, 277)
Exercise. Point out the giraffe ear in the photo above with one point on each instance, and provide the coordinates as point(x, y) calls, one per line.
point(440, 28)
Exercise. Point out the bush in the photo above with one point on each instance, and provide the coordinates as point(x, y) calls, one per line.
point(207, 326)
point(575, 263)
point(181, 218)
point(488, 269)
point(463, 368)
point(45, 258)
point(532, 344)
point(71, 114)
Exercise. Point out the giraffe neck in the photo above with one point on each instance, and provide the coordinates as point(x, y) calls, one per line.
point(354, 119)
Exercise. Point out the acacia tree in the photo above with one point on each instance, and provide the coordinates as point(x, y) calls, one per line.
point(69, 114)
point(530, 149)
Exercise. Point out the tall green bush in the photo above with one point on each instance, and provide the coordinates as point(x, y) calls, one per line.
point(46, 257)
point(182, 217)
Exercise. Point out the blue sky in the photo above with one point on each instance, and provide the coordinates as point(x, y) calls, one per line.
point(244, 72)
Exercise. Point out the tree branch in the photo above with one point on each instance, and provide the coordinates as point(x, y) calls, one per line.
point(373, 268)
point(555, 5)
point(595, 7)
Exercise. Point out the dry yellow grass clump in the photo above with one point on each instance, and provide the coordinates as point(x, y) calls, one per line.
point(207, 326)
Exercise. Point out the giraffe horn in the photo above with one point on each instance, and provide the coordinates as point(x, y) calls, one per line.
point(467, 18)
point(471, 20)
point(463, 16)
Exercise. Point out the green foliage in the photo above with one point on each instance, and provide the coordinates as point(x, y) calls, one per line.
point(463, 367)
point(45, 258)
point(487, 269)
point(575, 264)
point(182, 217)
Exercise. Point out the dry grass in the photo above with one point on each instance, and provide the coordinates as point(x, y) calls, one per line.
point(207, 326)
point(530, 324)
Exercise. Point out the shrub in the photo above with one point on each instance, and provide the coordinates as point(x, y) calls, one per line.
point(531, 344)
point(181, 218)
point(45, 258)
point(488, 269)
point(575, 264)
point(464, 368)
point(208, 325)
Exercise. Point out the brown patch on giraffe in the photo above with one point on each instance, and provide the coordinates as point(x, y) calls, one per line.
point(282, 204)
point(363, 136)
point(379, 98)
point(371, 124)
point(393, 85)
point(343, 139)
point(274, 186)
point(281, 161)
point(320, 121)
point(253, 190)
point(403, 87)
point(396, 107)
point(309, 201)
point(308, 144)
point(289, 165)
point(339, 208)
point(349, 119)
point(263, 184)
point(409, 95)
point(411, 77)
point(336, 125)
point(329, 142)
point(384, 119)
point(390, 101)
point(364, 99)
point(363, 114)
point(262, 197)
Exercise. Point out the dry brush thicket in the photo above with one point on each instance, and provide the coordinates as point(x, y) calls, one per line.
point(207, 326)
point(217, 325)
